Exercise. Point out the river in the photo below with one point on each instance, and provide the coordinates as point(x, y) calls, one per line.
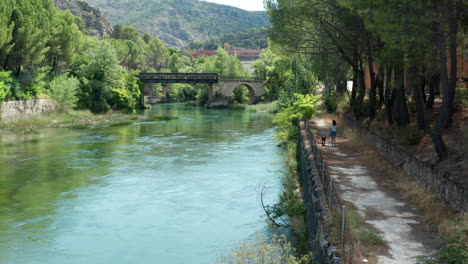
point(178, 191)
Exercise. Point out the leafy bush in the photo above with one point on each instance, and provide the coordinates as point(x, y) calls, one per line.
point(461, 96)
point(410, 135)
point(5, 80)
point(331, 102)
point(303, 106)
point(125, 94)
point(263, 250)
point(240, 95)
point(63, 91)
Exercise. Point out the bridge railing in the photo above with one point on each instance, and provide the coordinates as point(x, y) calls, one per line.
point(191, 78)
point(239, 78)
point(179, 77)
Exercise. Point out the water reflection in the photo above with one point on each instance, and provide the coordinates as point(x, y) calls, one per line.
point(141, 193)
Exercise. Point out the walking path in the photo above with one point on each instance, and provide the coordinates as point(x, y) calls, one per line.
point(365, 183)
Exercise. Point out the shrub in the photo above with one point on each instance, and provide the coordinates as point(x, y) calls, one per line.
point(331, 102)
point(461, 96)
point(410, 135)
point(262, 250)
point(5, 79)
point(302, 106)
point(63, 91)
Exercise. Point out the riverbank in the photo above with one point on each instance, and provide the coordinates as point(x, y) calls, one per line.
point(74, 119)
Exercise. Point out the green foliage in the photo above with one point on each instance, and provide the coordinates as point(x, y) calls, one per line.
point(277, 250)
point(271, 107)
point(99, 71)
point(184, 92)
point(331, 102)
point(461, 96)
point(156, 55)
point(5, 82)
point(240, 95)
point(410, 135)
point(255, 38)
point(31, 21)
point(63, 90)
point(64, 41)
point(125, 94)
point(181, 21)
point(455, 253)
point(303, 106)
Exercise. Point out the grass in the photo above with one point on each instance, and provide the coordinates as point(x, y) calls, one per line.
point(271, 107)
point(366, 238)
point(77, 120)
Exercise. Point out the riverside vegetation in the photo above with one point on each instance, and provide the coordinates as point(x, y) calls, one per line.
point(45, 54)
point(309, 41)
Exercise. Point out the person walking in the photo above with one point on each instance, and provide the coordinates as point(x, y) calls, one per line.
point(333, 133)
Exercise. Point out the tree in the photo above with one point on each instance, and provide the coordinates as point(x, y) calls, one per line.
point(320, 28)
point(99, 73)
point(64, 40)
point(156, 55)
point(63, 91)
point(6, 31)
point(31, 32)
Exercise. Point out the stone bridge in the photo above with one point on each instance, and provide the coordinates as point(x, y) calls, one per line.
point(220, 88)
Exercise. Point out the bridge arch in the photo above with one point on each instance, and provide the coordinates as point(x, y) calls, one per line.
point(256, 89)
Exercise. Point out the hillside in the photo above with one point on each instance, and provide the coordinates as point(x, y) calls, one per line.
point(255, 38)
point(96, 24)
point(177, 22)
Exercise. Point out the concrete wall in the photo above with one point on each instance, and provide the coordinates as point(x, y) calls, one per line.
point(16, 109)
point(436, 179)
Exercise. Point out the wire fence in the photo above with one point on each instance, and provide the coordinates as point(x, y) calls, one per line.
point(336, 223)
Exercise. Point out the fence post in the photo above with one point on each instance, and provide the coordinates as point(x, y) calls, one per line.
point(343, 224)
point(323, 166)
point(330, 193)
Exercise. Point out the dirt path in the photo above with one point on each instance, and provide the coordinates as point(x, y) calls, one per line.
point(368, 186)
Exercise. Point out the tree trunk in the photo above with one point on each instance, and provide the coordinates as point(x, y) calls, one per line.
point(341, 85)
point(423, 88)
point(389, 95)
point(413, 82)
point(381, 86)
point(372, 91)
point(441, 122)
point(400, 109)
point(453, 31)
point(361, 92)
point(354, 89)
point(433, 85)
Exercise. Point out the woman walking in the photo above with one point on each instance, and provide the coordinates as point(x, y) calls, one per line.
point(333, 133)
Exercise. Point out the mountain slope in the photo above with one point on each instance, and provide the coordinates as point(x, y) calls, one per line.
point(96, 24)
point(255, 38)
point(177, 22)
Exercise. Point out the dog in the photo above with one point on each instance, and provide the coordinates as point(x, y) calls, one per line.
point(324, 139)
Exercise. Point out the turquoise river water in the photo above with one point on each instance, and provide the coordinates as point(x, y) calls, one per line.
point(179, 191)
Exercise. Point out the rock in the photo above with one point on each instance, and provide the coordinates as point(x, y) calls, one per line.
point(96, 24)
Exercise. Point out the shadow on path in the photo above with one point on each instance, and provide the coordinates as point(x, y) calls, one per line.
point(368, 187)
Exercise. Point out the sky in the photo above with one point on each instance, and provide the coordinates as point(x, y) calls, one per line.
point(251, 5)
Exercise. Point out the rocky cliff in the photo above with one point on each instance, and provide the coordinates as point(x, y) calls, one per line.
point(177, 22)
point(96, 24)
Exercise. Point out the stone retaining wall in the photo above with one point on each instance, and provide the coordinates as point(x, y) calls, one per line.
point(436, 179)
point(322, 250)
point(16, 109)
